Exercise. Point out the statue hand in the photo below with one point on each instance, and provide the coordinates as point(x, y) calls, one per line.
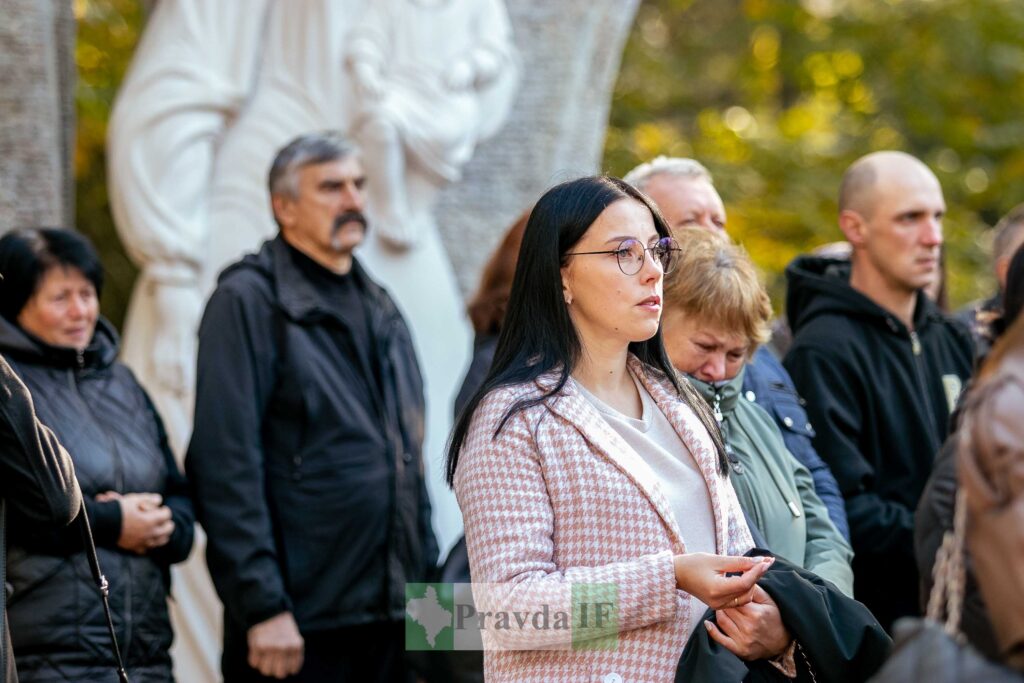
point(460, 76)
point(368, 81)
point(178, 308)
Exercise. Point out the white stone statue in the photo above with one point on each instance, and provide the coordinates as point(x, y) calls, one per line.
point(215, 89)
point(431, 74)
point(190, 77)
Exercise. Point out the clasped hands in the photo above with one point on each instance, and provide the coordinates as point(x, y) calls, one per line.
point(749, 623)
point(146, 523)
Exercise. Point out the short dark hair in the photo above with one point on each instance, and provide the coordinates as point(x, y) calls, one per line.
point(26, 254)
point(538, 334)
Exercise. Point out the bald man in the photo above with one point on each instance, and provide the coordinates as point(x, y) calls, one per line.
point(879, 365)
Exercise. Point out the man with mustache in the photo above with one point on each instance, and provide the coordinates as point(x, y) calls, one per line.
point(305, 457)
point(879, 365)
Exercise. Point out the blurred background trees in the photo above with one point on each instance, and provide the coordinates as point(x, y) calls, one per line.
point(776, 97)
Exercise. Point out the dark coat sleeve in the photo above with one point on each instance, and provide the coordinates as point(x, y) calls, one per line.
point(36, 474)
point(835, 396)
point(177, 499)
point(225, 460)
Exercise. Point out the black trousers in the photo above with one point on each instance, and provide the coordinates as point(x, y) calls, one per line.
point(374, 653)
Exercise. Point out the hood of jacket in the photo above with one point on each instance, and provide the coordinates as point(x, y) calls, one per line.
point(818, 285)
point(26, 347)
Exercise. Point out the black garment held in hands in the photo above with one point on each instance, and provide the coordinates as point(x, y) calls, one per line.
point(842, 641)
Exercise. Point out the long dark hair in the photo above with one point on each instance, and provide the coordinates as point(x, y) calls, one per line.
point(538, 334)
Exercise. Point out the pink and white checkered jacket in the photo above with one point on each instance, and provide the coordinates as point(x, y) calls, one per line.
point(558, 499)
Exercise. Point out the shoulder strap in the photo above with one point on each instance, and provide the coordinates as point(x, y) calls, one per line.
point(945, 604)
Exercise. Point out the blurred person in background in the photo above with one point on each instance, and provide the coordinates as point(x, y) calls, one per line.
point(685, 194)
point(934, 515)
point(136, 498)
point(36, 477)
point(982, 316)
point(487, 308)
point(991, 471)
point(306, 457)
point(716, 316)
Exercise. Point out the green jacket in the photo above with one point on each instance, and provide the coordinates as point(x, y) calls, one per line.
point(774, 489)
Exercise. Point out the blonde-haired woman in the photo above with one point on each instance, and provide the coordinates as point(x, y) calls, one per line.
point(716, 315)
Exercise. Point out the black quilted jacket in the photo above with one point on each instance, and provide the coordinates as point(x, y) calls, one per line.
point(117, 442)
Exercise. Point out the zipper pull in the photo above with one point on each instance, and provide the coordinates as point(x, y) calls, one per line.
point(794, 509)
point(716, 408)
point(915, 343)
point(80, 359)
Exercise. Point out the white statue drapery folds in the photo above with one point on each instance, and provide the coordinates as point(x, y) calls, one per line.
point(215, 89)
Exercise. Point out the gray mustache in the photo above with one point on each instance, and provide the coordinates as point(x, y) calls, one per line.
point(348, 217)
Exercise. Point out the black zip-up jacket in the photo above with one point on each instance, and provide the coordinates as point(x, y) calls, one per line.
point(100, 412)
point(879, 396)
point(307, 475)
point(36, 478)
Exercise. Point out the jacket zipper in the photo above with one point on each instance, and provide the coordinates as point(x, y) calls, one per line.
point(916, 349)
point(791, 505)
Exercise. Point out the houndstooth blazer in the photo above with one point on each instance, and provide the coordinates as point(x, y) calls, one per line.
point(559, 500)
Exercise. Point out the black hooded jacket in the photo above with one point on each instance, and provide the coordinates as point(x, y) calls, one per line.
point(102, 415)
point(879, 396)
point(307, 473)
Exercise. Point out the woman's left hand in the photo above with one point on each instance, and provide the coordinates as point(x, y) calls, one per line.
point(751, 631)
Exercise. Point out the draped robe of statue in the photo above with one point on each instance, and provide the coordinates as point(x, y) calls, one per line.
point(214, 91)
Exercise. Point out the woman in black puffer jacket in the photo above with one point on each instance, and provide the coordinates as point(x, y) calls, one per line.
point(135, 495)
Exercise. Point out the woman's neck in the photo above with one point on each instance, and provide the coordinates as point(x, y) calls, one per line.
point(604, 373)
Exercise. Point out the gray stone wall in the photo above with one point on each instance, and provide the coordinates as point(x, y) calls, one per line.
point(37, 79)
point(571, 51)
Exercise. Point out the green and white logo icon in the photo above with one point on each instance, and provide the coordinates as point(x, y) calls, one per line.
point(429, 616)
point(445, 616)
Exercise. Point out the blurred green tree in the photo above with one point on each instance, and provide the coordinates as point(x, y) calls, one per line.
point(777, 97)
point(108, 31)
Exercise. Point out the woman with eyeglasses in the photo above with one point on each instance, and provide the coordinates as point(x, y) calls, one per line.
point(592, 482)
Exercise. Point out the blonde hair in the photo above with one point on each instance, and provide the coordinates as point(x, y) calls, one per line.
point(715, 282)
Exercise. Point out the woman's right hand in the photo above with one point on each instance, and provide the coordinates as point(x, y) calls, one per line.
point(704, 576)
point(145, 521)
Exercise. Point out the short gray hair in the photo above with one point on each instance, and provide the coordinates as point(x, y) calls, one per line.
point(305, 150)
point(681, 167)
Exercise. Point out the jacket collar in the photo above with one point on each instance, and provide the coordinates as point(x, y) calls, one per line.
point(100, 353)
point(572, 406)
point(300, 299)
point(726, 394)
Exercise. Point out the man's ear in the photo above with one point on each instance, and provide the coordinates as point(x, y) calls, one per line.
point(282, 206)
point(854, 227)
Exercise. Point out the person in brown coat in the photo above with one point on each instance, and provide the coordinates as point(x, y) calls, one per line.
point(991, 470)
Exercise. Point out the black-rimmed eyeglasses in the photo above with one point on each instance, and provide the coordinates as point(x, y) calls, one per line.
point(631, 253)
